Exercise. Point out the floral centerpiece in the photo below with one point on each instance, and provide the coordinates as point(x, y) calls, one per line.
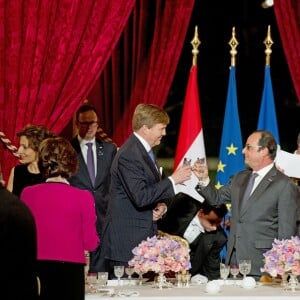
point(283, 258)
point(160, 254)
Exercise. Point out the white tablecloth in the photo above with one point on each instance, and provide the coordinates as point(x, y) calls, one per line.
point(227, 292)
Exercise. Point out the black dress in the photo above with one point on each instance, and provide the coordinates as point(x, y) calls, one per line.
point(23, 178)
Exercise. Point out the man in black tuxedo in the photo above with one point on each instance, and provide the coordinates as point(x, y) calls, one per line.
point(137, 187)
point(102, 155)
point(199, 223)
point(18, 249)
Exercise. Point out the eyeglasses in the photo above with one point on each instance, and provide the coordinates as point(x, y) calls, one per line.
point(91, 123)
point(249, 147)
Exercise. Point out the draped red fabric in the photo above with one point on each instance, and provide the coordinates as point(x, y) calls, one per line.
point(143, 64)
point(51, 53)
point(157, 68)
point(287, 15)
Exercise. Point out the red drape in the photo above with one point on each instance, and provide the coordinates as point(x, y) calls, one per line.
point(143, 64)
point(51, 53)
point(287, 14)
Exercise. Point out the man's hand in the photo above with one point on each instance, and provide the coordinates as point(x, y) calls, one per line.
point(200, 169)
point(159, 211)
point(182, 174)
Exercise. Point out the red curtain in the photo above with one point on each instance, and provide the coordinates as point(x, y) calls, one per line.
point(51, 53)
point(143, 64)
point(287, 14)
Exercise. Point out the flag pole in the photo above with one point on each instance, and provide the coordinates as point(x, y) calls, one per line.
point(195, 43)
point(190, 143)
point(267, 119)
point(231, 159)
point(233, 43)
point(268, 43)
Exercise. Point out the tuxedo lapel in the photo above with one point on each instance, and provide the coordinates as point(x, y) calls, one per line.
point(242, 192)
point(84, 173)
point(147, 159)
point(100, 156)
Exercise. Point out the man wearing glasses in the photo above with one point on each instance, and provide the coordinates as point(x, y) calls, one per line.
point(265, 202)
point(95, 157)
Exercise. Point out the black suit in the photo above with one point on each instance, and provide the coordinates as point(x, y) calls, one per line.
point(105, 153)
point(136, 187)
point(205, 249)
point(18, 249)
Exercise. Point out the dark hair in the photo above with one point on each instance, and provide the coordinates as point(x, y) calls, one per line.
point(219, 210)
point(84, 108)
point(35, 135)
point(57, 157)
point(268, 141)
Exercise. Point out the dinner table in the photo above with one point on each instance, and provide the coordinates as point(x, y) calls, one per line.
point(227, 290)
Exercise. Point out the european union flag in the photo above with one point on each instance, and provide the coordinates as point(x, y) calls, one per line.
point(231, 159)
point(267, 119)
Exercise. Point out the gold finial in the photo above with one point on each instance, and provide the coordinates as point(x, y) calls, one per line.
point(233, 43)
point(268, 43)
point(195, 43)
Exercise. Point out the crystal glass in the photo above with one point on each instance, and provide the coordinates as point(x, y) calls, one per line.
point(102, 278)
point(224, 271)
point(91, 282)
point(141, 278)
point(179, 279)
point(129, 270)
point(91, 278)
point(186, 280)
point(119, 272)
point(200, 163)
point(245, 267)
point(187, 161)
point(234, 271)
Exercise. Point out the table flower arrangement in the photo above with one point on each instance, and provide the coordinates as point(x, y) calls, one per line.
point(160, 254)
point(283, 257)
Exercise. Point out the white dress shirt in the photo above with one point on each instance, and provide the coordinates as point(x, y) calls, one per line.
point(193, 230)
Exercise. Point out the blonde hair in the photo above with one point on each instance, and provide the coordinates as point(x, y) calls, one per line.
point(149, 115)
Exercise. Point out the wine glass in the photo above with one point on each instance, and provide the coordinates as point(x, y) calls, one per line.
point(245, 267)
point(91, 281)
point(187, 161)
point(141, 277)
point(201, 167)
point(119, 272)
point(234, 271)
point(129, 270)
point(224, 271)
point(102, 278)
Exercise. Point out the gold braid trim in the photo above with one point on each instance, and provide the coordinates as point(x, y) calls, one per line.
point(8, 144)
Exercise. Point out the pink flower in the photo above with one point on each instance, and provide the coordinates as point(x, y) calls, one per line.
point(284, 257)
point(160, 255)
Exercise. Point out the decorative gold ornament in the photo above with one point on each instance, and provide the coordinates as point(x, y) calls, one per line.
point(268, 43)
point(195, 43)
point(233, 43)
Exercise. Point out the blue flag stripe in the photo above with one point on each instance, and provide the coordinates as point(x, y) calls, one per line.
point(267, 119)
